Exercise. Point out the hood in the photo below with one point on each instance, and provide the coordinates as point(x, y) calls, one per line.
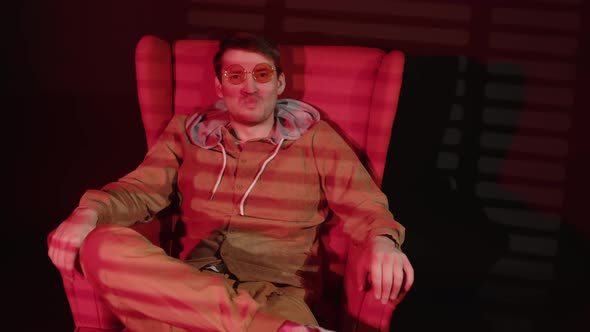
point(293, 119)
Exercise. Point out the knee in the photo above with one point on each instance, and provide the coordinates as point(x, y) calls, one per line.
point(98, 248)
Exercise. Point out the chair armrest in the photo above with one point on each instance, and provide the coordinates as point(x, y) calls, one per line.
point(362, 312)
point(89, 311)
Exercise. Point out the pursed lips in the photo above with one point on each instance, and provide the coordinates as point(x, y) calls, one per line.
point(250, 100)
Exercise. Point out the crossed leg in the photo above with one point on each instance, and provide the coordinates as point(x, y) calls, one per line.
point(151, 291)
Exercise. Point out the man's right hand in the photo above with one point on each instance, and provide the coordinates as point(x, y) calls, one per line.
point(66, 239)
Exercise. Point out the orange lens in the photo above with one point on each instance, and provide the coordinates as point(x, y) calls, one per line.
point(235, 74)
point(262, 72)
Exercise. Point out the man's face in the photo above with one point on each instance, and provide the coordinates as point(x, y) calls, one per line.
point(250, 102)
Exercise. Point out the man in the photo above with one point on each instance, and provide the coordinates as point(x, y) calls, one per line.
point(258, 176)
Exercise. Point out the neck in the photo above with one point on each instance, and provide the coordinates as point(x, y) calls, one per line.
point(246, 132)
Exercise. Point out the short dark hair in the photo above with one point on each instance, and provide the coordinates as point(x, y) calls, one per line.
point(248, 42)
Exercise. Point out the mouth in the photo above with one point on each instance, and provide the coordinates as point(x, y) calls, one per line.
point(250, 101)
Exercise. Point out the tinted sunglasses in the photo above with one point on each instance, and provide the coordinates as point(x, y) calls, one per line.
point(236, 74)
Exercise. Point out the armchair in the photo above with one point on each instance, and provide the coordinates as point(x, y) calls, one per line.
point(355, 88)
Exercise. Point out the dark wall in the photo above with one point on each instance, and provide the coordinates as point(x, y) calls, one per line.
point(74, 124)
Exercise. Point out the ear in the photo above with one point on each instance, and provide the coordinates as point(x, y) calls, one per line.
point(218, 88)
point(282, 83)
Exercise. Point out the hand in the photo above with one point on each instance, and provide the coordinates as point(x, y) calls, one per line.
point(67, 238)
point(388, 267)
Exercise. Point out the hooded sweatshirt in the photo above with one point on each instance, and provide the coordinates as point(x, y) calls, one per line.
point(255, 205)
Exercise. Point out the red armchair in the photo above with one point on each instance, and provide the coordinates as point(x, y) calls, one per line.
point(356, 88)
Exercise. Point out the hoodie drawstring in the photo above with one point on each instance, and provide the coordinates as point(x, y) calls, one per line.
point(258, 176)
point(220, 173)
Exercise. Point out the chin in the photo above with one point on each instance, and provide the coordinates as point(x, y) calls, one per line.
point(250, 119)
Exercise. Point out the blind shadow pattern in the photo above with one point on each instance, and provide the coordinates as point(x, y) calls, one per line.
point(482, 135)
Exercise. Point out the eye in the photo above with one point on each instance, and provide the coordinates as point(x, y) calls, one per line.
point(234, 75)
point(263, 73)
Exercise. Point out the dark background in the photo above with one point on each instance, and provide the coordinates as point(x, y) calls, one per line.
point(73, 123)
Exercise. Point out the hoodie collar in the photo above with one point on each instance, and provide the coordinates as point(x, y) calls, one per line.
point(292, 119)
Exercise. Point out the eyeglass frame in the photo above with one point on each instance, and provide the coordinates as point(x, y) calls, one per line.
point(225, 72)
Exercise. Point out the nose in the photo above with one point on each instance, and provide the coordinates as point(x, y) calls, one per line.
point(250, 86)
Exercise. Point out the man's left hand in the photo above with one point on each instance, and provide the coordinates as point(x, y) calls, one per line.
point(389, 270)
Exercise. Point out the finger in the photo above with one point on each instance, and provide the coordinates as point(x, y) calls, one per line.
point(408, 273)
point(387, 268)
point(398, 275)
point(69, 254)
point(65, 254)
point(51, 243)
point(55, 249)
point(62, 249)
point(376, 274)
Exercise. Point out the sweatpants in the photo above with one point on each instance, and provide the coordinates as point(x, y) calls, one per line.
point(151, 291)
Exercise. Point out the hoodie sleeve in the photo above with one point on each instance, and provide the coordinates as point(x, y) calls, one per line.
point(141, 194)
point(351, 193)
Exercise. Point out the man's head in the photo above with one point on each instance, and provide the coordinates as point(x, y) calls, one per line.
point(249, 78)
point(247, 42)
